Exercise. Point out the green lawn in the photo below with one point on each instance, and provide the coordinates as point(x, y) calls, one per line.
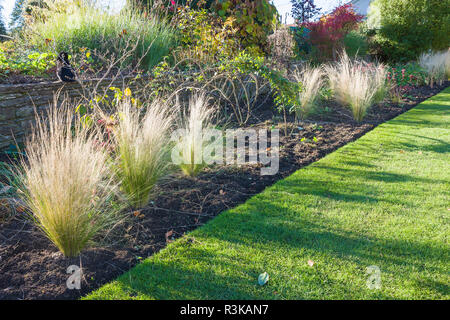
point(382, 200)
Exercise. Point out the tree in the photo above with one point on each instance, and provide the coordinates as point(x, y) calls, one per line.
point(2, 23)
point(304, 10)
point(327, 34)
point(17, 20)
point(411, 27)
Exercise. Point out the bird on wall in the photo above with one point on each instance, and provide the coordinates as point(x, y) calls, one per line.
point(64, 70)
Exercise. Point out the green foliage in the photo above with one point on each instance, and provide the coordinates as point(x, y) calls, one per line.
point(17, 19)
point(27, 62)
point(86, 111)
point(73, 27)
point(411, 27)
point(2, 23)
point(285, 91)
point(356, 44)
point(254, 20)
point(205, 36)
point(409, 74)
point(303, 45)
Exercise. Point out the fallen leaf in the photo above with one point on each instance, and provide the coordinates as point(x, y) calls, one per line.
point(136, 213)
point(263, 278)
point(169, 234)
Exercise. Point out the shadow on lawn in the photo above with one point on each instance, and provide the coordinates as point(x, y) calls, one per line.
point(420, 115)
point(427, 143)
point(171, 279)
point(271, 229)
point(268, 233)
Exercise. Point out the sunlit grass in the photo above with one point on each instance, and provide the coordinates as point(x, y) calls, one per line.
point(86, 26)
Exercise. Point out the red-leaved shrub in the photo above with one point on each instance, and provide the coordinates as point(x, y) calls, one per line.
point(327, 33)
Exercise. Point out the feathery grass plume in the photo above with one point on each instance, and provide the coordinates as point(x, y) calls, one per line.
point(437, 65)
point(379, 78)
point(199, 118)
point(311, 80)
point(66, 181)
point(357, 85)
point(142, 149)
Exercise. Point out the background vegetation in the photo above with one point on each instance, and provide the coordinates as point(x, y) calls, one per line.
point(406, 28)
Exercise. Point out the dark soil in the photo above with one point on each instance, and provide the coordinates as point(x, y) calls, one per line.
point(32, 268)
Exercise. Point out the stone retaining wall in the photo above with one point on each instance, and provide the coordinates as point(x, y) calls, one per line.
point(18, 102)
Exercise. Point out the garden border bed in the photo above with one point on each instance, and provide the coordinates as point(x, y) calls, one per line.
point(32, 268)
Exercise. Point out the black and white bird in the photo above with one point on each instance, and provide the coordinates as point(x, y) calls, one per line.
point(64, 70)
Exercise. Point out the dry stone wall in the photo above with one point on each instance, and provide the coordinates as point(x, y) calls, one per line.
point(18, 103)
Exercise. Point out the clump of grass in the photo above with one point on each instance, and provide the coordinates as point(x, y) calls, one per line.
point(357, 85)
point(311, 80)
point(191, 152)
point(437, 65)
point(78, 25)
point(142, 149)
point(379, 80)
point(66, 183)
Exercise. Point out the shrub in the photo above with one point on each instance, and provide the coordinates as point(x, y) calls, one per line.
point(357, 85)
point(15, 59)
point(76, 26)
point(253, 19)
point(66, 182)
point(437, 65)
point(285, 92)
point(327, 33)
point(409, 74)
point(408, 28)
point(191, 142)
point(312, 81)
point(355, 44)
point(142, 149)
point(205, 36)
